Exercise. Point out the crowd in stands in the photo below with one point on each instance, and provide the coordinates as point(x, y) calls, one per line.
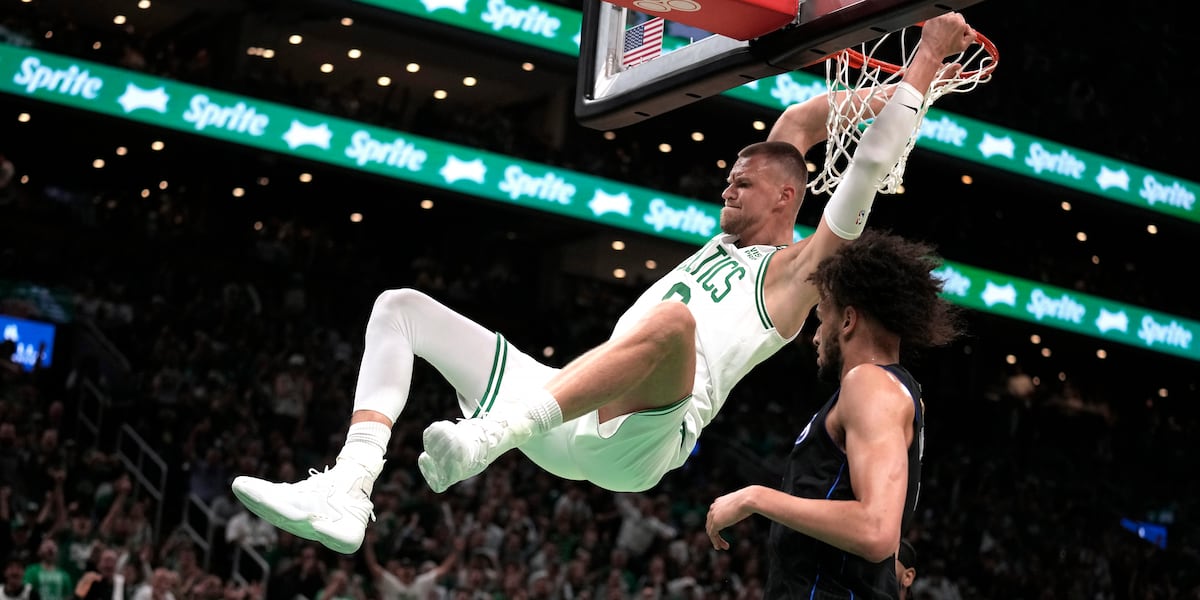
point(242, 355)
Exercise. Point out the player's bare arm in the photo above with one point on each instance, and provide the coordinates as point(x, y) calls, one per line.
point(873, 414)
point(789, 295)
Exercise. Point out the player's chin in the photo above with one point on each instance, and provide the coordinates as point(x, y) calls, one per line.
point(729, 220)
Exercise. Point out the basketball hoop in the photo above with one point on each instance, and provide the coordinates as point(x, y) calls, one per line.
point(859, 81)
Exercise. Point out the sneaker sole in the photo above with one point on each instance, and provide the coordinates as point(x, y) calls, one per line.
point(439, 441)
point(431, 473)
point(299, 525)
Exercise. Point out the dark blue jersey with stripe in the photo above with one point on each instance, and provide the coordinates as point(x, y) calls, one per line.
point(802, 567)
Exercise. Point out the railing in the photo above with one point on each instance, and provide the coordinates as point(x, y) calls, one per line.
point(264, 569)
point(93, 403)
point(201, 525)
point(112, 361)
point(138, 457)
point(110, 370)
point(203, 541)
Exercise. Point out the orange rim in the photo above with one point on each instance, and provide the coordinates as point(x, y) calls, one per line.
point(857, 60)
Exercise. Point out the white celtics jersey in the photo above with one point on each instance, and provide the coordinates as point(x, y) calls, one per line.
point(723, 286)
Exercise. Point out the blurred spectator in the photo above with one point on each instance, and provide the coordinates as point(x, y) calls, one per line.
point(78, 540)
point(935, 585)
point(208, 476)
point(126, 523)
point(292, 392)
point(179, 556)
point(642, 524)
point(399, 580)
point(247, 529)
point(303, 577)
point(572, 505)
point(340, 586)
point(22, 543)
point(159, 587)
point(654, 580)
point(206, 587)
point(50, 581)
point(105, 583)
point(15, 587)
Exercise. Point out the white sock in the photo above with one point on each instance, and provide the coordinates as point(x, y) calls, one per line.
point(366, 443)
point(543, 410)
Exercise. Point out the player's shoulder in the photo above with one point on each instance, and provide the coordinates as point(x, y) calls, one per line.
point(874, 383)
point(877, 378)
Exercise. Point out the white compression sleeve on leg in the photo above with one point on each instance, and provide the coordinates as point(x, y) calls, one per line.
point(880, 148)
point(406, 323)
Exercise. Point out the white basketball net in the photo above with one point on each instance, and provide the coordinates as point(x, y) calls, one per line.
point(858, 92)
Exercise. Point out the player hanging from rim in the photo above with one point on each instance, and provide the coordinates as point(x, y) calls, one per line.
point(628, 411)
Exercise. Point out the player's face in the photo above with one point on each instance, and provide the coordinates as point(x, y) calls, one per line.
point(753, 191)
point(829, 348)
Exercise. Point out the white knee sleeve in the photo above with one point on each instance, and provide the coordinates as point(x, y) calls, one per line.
point(406, 323)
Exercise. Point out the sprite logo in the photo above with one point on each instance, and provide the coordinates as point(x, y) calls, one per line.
point(397, 153)
point(1065, 308)
point(239, 118)
point(533, 20)
point(944, 130)
point(1173, 195)
point(788, 92)
point(71, 81)
point(1064, 163)
point(1170, 334)
point(689, 220)
point(549, 187)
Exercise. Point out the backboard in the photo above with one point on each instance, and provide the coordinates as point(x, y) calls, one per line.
point(610, 95)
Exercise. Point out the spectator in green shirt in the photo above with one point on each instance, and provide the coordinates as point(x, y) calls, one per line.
point(50, 581)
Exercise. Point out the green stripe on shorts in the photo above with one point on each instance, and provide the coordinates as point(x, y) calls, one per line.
point(663, 410)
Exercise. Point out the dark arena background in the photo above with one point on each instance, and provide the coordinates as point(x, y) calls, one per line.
point(183, 299)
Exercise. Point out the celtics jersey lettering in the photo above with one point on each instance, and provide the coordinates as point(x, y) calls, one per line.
point(722, 284)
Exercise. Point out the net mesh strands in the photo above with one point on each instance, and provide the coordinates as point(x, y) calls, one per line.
point(860, 80)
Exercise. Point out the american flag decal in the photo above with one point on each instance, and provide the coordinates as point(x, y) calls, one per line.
point(643, 42)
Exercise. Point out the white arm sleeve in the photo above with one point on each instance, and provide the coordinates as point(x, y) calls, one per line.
point(877, 152)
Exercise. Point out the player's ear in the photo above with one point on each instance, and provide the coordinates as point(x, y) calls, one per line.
point(850, 318)
point(787, 195)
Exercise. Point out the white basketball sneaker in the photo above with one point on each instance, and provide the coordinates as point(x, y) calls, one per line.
point(455, 451)
point(331, 506)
